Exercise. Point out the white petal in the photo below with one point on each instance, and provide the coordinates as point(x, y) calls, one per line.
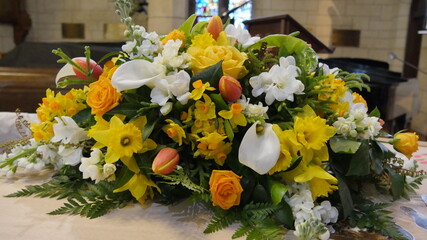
point(136, 73)
point(260, 151)
point(65, 71)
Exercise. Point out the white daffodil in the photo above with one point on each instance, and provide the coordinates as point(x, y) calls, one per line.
point(259, 150)
point(279, 83)
point(67, 131)
point(137, 73)
point(240, 35)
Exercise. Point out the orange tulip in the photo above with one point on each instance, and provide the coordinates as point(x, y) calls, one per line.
point(95, 68)
point(230, 88)
point(215, 26)
point(165, 161)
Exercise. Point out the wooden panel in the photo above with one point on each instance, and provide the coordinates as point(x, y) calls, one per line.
point(24, 88)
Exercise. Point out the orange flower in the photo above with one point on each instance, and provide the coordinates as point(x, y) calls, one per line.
point(102, 96)
point(406, 143)
point(175, 35)
point(230, 88)
point(225, 188)
point(165, 161)
point(215, 26)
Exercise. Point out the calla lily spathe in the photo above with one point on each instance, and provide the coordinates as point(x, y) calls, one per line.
point(137, 73)
point(259, 150)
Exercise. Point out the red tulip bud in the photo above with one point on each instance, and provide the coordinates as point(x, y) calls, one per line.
point(96, 72)
point(230, 88)
point(165, 161)
point(215, 26)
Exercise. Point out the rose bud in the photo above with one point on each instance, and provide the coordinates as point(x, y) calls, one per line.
point(406, 143)
point(230, 88)
point(215, 26)
point(96, 72)
point(165, 161)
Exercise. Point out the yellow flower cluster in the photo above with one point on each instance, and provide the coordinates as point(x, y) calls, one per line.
point(57, 105)
point(334, 89)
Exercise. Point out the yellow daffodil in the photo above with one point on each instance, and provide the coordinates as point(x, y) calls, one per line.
point(213, 146)
point(235, 115)
point(140, 187)
point(42, 131)
point(203, 41)
point(204, 110)
point(174, 131)
point(289, 148)
point(199, 89)
point(123, 140)
point(313, 132)
point(320, 180)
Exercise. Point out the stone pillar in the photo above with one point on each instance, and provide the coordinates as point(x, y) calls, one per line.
point(166, 15)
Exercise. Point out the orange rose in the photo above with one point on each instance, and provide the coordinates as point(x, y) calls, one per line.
point(175, 35)
point(102, 96)
point(406, 143)
point(225, 188)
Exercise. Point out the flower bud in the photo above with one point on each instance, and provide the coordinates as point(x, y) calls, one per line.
point(165, 161)
point(230, 88)
point(96, 69)
point(215, 26)
point(406, 143)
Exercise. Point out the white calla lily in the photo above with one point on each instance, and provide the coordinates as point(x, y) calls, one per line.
point(137, 73)
point(260, 150)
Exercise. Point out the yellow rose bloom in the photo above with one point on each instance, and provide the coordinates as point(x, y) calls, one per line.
point(406, 143)
point(225, 188)
point(233, 59)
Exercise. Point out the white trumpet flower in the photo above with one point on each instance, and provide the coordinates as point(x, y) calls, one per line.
point(259, 150)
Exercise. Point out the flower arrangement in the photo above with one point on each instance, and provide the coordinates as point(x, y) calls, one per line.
point(257, 129)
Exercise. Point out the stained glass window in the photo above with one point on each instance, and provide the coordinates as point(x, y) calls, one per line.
point(207, 8)
point(241, 14)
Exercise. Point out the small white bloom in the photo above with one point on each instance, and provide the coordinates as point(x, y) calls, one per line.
point(240, 35)
point(89, 166)
point(70, 155)
point(279, 83)
point(345, 126)
point(180, 87)
point(161, 93)
point(327, 70)
point(166, 109)
point(108, 169)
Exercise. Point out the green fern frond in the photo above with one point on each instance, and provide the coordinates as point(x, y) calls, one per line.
point(258, 211)
point(267, 229)
point(220, 220)
point(181, 178)
point(243, 230)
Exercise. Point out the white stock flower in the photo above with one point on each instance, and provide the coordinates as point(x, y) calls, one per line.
point(327, 213)
point(70, 155)
point(177, 85)
point(345, 126)
point(253, 110)
point(279, 83)
point(240, 35)
point(170, 55)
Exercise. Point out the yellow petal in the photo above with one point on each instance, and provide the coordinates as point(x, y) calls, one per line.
point(130, 162)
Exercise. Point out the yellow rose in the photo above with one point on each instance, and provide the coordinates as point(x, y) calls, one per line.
point(406, 143)
point(202, 58)
point(225, 188)
point(102, 96)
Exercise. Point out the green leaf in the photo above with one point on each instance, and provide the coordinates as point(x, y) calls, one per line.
point(127, 109)
point(277, 191)
point(397, 183)
point(291, 46)
point(188, 24)
point(199, 28)
point(220, 220)
point(228, 130)
point(377, 157)
point(345, 194)
point(343, 145)
point(219, 102)
point(124, 176)
point(284, 215)
point(375, 113)
point(149, 127)
point(211, 74)
point(360, 164)
point(83, 116)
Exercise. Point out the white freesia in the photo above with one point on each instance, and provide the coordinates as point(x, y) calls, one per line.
point(327, 70)
point(137, 73)
point(171, 57)
point(67, 131)
point(177, 85)
point(89, 166)
point(259, 150)
point(70, 155)
point(240, 35)
point(279, 83)
point(253, 110)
